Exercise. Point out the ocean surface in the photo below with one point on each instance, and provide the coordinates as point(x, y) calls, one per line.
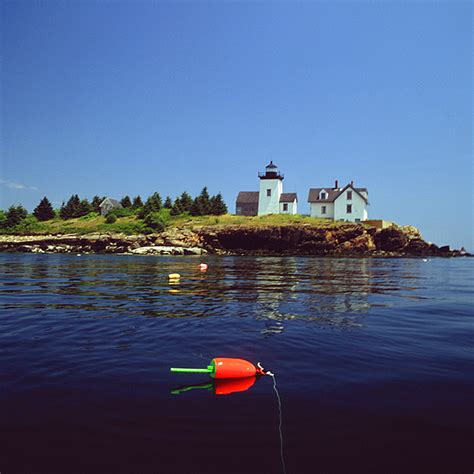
point(373, 362)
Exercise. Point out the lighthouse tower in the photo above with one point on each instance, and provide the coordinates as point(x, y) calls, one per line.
point(271, 188)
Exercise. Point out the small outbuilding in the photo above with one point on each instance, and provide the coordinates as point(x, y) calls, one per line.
point(108, 204)
point(288, 203)
point(247, 203)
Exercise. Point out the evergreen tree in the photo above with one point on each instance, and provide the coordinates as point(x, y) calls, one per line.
point(15, 215)
point(152, 204)
point(176, 210)
point(72, 208)
point(185, 202)
point(196, 208)
point(205, 201)
point(202, 204)
point(168, 204)
point(137, 202)
point(62, 210)
point(44, 211)
point(218, 206)
point(84, 208)
point(126, 202)
point(96, 202)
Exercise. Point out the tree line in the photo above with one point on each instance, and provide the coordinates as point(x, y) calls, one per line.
point(201, 205)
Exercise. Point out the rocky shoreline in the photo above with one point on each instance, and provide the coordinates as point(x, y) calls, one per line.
point(344, 240)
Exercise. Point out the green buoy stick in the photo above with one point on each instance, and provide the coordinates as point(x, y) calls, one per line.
point(209, 370)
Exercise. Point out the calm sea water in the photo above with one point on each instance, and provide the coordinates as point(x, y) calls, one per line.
point(373, 358)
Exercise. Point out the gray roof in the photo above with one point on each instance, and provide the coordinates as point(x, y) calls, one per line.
point(332, 194)
point(112, 201)
point(288, 197)
point(247, 197)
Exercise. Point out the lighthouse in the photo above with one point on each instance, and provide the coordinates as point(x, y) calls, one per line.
point(271, 188)
point(270, 199)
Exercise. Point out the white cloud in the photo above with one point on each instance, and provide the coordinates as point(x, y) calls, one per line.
point(13, 185)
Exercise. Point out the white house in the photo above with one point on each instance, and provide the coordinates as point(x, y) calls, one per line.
point(348, 203)
point(270, 199)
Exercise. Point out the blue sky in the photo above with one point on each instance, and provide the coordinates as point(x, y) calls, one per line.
point(116, 98)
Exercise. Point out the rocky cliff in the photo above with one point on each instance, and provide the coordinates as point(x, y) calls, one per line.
point(341, 240)
point(346, 239)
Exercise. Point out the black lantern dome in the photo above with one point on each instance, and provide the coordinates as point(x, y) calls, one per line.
point(271, 172)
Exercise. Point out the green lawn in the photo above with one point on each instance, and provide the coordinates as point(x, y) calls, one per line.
point(255, 221)
point(132, 225)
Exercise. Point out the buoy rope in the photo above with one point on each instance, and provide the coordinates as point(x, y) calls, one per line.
point(272, 375)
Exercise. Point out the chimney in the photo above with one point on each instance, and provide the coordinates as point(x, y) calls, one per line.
point(352, 183)
point(336, 184)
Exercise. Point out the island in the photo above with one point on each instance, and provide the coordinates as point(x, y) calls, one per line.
point(202, 225)
point(228, 235)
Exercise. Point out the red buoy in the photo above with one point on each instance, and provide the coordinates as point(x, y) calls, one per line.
point(227, 368)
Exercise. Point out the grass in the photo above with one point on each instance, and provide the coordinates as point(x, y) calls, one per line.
point(127, 225)
point(253, 221)
point(132, 225)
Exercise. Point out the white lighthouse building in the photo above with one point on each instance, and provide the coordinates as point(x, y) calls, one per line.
point(271, 188)
point(270, 199)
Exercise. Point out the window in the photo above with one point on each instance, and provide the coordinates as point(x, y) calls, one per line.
point(349, 208)
point(269, 192)
point(357, 220)
point(349, 195)
point(239, 210)
point(285, 207)
point(322, 196)
point(323, 209)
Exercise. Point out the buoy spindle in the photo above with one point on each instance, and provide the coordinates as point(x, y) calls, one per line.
point(207, 370)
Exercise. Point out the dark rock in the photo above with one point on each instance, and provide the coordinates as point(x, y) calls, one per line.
point(390, 239)
point(419, 247)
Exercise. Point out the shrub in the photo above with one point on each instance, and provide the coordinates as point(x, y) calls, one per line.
point(91, 215)
point(155, 221)
point(28, 225)
point(127, 227)
point(121, 212)
point(3, 219)
point(111, 218)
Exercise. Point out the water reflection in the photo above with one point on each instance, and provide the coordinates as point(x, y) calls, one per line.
point(329, 291)
point(219, 386)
